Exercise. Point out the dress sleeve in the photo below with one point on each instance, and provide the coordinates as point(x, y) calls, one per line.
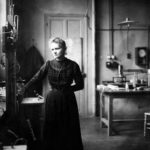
point(39, 75)
point(78, 78)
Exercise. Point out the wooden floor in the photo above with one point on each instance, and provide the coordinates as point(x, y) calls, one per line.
point(129, 137)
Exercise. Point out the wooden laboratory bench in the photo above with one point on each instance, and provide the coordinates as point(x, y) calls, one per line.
point(111, 95)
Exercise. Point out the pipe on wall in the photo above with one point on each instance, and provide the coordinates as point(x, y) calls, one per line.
point(111, 27)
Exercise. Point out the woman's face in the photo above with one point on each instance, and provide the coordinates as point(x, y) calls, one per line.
point(57, 51)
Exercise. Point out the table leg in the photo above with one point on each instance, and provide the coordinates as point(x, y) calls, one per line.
point(101, 109)
point(110, 115)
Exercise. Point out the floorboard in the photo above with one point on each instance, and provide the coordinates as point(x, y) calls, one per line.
point(130, 136)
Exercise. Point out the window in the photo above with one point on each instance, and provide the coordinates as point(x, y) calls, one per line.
point(2, 19)
point(2, 12)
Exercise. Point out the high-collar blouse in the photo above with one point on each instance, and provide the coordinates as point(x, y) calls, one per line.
point(61, 75)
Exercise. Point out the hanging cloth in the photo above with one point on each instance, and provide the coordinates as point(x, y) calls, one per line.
point(30, 65)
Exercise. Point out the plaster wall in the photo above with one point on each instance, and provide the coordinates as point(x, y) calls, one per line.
point(32, 31)
point(138, 36)
point(32, 18)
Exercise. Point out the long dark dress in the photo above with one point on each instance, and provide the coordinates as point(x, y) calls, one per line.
point(61, 126)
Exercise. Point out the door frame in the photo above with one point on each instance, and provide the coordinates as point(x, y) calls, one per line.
point(89, 104)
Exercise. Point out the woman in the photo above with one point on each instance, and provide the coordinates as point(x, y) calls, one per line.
point(61, 125)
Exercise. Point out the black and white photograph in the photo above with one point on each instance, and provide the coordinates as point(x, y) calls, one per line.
point(74, 74)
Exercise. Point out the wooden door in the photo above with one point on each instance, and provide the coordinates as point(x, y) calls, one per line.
point(73, 30)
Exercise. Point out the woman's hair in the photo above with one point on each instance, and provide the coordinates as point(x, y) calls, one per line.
point(61, 42)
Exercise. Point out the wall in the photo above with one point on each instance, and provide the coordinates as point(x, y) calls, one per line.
point(137, 37)
point(32, 18)
point(137, 10)
point(32, 31)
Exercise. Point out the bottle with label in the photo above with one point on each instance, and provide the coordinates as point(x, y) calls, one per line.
point(135, 78)
point(127, 86)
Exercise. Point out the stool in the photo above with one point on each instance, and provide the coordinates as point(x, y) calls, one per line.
point(147, 124)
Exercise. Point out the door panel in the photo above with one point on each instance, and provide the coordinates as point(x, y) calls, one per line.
point(70, 28)
point(56, 28)
point(74, 27)
point(74, 52)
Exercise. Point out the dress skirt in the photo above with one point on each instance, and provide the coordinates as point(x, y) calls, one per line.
point(61, 126)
